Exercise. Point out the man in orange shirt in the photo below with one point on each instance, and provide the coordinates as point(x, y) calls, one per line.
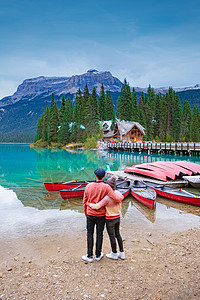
point(95, 192)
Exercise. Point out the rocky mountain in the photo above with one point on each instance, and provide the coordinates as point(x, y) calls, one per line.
point(19, 113)
point(42, 85)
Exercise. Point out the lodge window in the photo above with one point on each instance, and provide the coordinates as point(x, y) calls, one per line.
point(134, 132)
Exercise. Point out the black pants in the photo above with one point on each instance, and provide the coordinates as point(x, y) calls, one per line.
point(100, 223)
point(112, 226)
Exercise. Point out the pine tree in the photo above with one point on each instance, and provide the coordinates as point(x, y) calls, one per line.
point(102, 105)
point(150, 94)
point(195, 134)
point(39, 130)
point(163, 119)
point(176, 127)
point(125, 106)
point(76, 111)
point(170, 99)
point(148, 122)
point(95, 106)
point(45, 125)
point(134, 115)
point(69, 107)
point(54, 121)
point(119, 108)
point(74, 133)
point(110, 107)
point(77, 132)
point(157, 119)
point(86, 103)
point(141, 108)
point(64, 132)
point(92, 115)
point(81, 107)
point(62, 109)
point(186, 122)
point(87, 124)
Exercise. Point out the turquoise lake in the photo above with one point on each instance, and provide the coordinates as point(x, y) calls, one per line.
point(23, 170)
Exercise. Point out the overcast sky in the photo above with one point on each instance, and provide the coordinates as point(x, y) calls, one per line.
point(153, 42)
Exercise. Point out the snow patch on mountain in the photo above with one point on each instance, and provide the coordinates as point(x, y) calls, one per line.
point(196, 87)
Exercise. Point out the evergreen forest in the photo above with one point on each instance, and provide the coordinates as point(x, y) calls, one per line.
point(161, 115)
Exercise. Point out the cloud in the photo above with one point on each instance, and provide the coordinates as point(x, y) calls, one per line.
point(156, 60)
point(7, 87)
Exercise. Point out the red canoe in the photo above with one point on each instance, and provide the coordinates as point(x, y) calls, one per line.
point(138, 169)
point(57, 186)
point(177, 168)
point(123, 186)
point(175, 193)
point(73, 193)
point(163, 164)
point(189, 166)
point(143, 193)
point(168, 171)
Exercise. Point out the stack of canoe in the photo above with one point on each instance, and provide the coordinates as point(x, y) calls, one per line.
point(165, 170)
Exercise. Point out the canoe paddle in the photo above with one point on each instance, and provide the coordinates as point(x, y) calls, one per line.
point(76, 187)
point(69, 181)
point(191, 194)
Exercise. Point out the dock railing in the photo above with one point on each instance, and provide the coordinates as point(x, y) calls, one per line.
point(153, 147)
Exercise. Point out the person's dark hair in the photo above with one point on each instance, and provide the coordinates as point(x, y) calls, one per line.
point(99, 177)
point(100, 173)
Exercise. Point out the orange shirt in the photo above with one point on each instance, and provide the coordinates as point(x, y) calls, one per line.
point(95, 192)
point(112, 208)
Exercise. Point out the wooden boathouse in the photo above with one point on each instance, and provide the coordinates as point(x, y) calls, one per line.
point(192, 149)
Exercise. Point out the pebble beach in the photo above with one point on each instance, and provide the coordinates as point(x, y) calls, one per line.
point(41, 259)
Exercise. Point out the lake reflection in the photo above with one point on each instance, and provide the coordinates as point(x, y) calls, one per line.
point(24, 170)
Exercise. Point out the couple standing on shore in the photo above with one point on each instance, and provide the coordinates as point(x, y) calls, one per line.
point(102, 205)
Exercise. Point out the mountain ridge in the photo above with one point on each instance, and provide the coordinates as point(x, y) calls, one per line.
point(63, 85)
point(33, 87)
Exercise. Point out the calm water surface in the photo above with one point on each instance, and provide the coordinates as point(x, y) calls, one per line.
point(24, 170)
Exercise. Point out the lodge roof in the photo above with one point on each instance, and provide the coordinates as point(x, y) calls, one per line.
point(125, 126)
point(110, 134)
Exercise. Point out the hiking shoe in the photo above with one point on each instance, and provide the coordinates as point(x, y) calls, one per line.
point(121, 255)
point(86, 258)
point(99, 257)
point(112, 255)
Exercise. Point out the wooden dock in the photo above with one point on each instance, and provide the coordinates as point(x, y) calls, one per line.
point(122, 174)
point(192, 149)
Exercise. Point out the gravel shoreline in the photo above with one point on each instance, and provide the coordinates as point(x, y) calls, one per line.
point(50, 267)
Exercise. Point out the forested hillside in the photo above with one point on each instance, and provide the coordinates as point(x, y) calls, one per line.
point(161, 115)
point(192, 96)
